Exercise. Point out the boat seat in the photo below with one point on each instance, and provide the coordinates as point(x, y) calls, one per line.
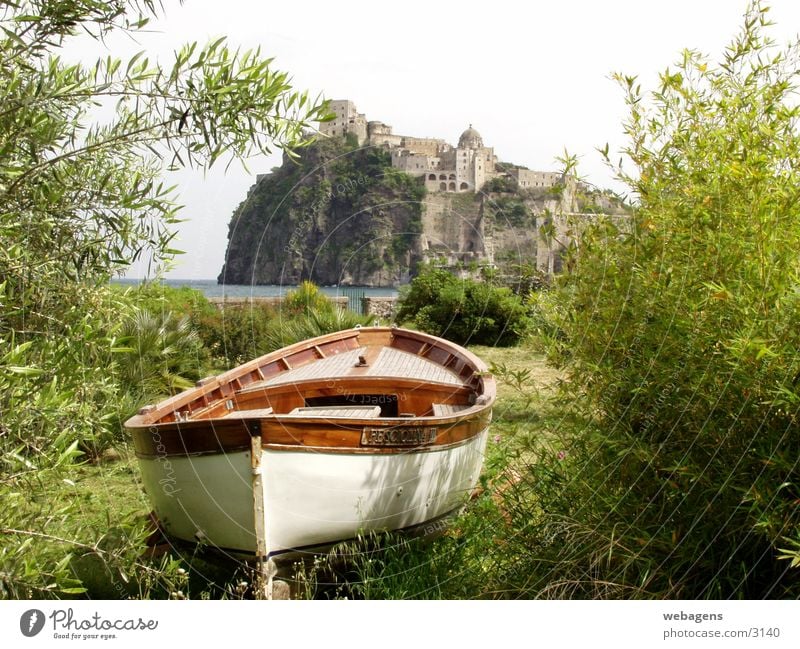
point(444, 409)
point(249, 414)
point(355, 412)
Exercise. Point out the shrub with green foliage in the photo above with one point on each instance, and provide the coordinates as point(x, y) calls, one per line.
point(511, 211)
point(80, 200)
point(165, 354)
point(681, 335)
point(158, 298)
point(462, 310)
point(500, 184)
point(160, 338)
point(240, 333)
point(316, 322)
point(237, 334)
point(307, 298)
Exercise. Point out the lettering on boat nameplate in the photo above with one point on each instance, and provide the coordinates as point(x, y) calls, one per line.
point(401, 436)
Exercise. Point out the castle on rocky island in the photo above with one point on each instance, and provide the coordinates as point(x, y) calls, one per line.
point(477, 214)
point(444, 168)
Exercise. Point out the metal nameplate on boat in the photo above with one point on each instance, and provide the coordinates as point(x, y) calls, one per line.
point(405, 436)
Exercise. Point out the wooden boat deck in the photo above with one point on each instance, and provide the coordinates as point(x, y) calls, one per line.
point(430, 375)
point(382, 361)
point(397, 363)
point(332, 366)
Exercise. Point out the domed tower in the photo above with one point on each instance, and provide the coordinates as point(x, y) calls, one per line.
point(473, 162)
point(470, 139)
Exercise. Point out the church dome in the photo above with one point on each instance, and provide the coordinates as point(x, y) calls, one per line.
point(470, 139)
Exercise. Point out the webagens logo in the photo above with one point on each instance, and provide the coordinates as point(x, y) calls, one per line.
point(31, 622)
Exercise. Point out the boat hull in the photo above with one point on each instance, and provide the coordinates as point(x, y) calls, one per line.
point(369, 429)
point(312, 498)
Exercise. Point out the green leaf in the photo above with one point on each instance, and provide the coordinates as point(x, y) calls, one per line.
point(24, 371)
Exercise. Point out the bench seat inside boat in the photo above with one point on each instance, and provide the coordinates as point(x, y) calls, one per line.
point(255, 413)
point(355, 412)
point(444, 409)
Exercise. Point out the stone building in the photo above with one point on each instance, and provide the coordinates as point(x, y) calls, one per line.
point(348, 120)
point(527, 179)
point(443, 167)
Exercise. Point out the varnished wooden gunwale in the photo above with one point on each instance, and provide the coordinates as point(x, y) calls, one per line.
point(227, 384)
point(194, 423)
point(298, 434)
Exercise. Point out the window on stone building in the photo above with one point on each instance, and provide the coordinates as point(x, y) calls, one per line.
point(443, 187)
point(452, 187)
point(464, 186)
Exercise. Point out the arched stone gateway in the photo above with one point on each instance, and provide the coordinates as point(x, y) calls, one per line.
point(464, 186)
point(452, 187)
point(443, 187)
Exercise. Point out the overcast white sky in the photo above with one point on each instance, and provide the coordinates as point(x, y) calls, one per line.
point(532, 77)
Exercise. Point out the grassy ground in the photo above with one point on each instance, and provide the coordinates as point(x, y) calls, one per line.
point(523, 378)
point(99, 515)
point(468, 559)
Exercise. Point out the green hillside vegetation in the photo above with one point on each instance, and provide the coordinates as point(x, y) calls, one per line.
point(336, 207)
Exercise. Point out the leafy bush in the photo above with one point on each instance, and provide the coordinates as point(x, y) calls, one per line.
point(306, 299)
point(166, 354)
point(463, 310)
point(547, 312)
point(317, 322)
point(681, 337)
point(237, 334)
point(158, 298)
point(500, 184)
point(55, 394)
point(79, 202)
point(159, 335)
point(240, 333)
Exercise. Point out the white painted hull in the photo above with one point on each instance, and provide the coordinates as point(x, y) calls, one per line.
point(312, 499)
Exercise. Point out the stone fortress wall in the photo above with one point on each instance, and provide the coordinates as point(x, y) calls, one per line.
point(455, 232)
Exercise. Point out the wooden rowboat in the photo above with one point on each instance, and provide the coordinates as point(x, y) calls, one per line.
point(369, 429)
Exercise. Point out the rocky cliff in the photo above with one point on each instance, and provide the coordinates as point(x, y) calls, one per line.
point(338, 215)
point(343, 215)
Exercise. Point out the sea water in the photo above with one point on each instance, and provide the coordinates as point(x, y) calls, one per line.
point(210, 288)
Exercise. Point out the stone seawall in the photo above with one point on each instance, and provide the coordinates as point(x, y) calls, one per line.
point(380, 307)
point(383, 307)
point(274, 301)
